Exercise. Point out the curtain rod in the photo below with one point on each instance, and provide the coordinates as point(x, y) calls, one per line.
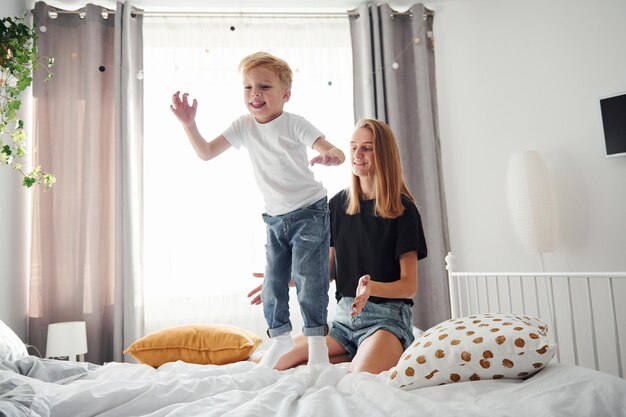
point(244, 14)
point(53, 14)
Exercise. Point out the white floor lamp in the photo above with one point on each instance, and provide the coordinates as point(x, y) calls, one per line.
point(532, 203)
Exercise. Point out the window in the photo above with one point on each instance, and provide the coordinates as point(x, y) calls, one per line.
point(204, 235)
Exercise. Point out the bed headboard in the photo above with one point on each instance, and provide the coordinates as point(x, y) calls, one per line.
point(582, 311)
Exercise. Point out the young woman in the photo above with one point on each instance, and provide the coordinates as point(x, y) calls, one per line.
point(376, 241)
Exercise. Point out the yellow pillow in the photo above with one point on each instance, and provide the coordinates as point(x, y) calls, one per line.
point(215, 344)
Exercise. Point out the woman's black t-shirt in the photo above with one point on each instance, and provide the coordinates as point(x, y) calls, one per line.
point(368, 244)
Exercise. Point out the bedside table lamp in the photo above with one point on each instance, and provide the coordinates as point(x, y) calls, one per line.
point(67, 339)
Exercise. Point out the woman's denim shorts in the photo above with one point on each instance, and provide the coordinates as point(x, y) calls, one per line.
point(393, 316)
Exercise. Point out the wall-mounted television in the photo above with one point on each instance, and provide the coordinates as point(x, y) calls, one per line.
point(613, 110)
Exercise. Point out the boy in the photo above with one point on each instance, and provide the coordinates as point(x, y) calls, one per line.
point(296, 205)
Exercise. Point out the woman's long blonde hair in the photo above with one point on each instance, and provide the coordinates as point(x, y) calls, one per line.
point(389, 184)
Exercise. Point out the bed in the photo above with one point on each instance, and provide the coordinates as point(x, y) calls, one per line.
point(594, 386)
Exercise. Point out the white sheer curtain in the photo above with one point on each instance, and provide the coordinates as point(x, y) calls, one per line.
point(203, 230)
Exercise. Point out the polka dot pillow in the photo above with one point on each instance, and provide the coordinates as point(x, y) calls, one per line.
point(482, 346)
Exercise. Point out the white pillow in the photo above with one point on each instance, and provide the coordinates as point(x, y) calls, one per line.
point(481, 346)
point(11, 347)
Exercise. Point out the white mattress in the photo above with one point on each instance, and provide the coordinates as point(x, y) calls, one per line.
point(243, 389)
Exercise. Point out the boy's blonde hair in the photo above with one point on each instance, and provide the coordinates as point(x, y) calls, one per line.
point(389, 185)
point(271, 62)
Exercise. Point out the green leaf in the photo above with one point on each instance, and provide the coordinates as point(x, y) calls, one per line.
point(48, 180)
point(14, 105)
point(23, 83)
point(28, 181)
point(18, 61)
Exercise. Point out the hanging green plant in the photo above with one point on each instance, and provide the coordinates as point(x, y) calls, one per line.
point(18, 60)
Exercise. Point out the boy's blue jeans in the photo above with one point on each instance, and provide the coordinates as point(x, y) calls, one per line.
point(297, 245)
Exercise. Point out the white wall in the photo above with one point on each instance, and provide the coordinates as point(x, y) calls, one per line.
point(13, 230)
point(520, 75)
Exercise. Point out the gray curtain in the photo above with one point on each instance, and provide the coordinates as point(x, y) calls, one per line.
point(394, 81)
point(129, 306)
point(79, 269)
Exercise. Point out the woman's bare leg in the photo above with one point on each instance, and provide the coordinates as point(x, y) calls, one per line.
point(378, 353)
point(299, 355)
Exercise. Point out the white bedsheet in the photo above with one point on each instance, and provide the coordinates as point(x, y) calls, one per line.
point(243, 389)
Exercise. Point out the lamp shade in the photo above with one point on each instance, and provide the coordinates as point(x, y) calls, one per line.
point(66, 339)
point(532, 202)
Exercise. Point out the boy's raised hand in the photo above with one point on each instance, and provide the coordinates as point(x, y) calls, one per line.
point(181, 108)
point(333, 156)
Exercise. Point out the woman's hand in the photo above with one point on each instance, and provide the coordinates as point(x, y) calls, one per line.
point(363, 292)
point(256, 292)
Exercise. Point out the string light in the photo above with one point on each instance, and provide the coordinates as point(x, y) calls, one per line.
point(53, 14)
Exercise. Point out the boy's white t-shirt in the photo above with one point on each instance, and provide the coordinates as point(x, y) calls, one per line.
point(278, 153)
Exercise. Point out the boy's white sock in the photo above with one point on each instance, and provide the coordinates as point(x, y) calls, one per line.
point(279, 346)
point(318, 350)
